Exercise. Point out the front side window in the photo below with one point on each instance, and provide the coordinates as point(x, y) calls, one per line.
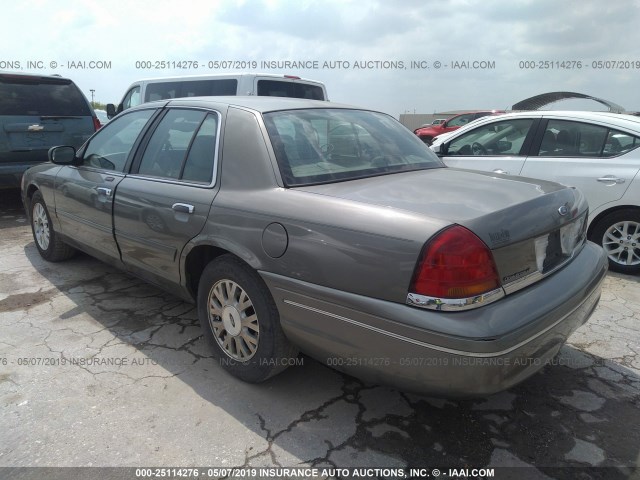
point(576, 139)
point(132, 98)
point(328, 145)
point(496, 138)
point(182, 147)
point(111, 146)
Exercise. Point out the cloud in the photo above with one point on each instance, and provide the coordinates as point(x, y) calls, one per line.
point(505, 33)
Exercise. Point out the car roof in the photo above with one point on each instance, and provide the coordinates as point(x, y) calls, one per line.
point(618, 119)
point(475, 111)
point(213, 76)
point(257, 103)
point(6, 73)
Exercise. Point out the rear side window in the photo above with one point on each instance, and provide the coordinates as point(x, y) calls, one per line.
point(576, 139)
point(197, 88)
point(41, 96)
point(276, 88)
point(182, 147)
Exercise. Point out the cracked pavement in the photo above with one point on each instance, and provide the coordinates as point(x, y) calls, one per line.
point(98, 368)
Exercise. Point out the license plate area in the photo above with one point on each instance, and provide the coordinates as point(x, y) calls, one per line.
point(555, 248)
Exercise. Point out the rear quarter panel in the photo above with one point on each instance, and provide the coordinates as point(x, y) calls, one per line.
point(350, 246)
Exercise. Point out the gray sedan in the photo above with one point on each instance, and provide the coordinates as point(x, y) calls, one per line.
point(308, 226)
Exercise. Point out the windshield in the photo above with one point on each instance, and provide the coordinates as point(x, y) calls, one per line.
point(328, 145)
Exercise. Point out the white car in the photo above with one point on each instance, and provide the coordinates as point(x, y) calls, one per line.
point(596, 152)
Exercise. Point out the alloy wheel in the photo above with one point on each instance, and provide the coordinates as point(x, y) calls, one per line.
point(233, 320)
point(41, 226)
point(621, 241)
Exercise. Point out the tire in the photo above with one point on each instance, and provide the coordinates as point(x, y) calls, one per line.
point(427, 140)
point(241, 321)
point(48, 243)
point(619, 234)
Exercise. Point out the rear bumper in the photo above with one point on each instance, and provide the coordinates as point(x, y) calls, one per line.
point(11, 173)
point(469, 353)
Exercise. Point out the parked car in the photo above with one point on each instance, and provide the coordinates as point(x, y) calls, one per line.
point(443, 136)
point(261, 84)
point(437, 121)
point(36, 113)
point(305, 225)
point(427, 133)
point(594, 151)
point(102, 116)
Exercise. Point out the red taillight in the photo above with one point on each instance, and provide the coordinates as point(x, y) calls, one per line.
point(455, 264)
point(96, 124)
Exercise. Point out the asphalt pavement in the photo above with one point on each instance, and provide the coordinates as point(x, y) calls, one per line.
point(98, 368)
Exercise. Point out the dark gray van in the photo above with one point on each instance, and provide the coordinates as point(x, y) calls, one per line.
point(38, 112)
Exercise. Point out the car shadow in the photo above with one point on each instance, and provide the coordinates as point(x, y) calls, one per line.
point(581, 412)
point(12, 212)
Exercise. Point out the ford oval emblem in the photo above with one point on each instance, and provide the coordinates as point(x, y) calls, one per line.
point(563, 210)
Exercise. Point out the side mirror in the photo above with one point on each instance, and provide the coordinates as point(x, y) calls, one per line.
point(111, 110)
point(504, 146)
point(62, 155)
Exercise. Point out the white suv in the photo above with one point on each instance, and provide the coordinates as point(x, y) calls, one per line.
point(596, 152)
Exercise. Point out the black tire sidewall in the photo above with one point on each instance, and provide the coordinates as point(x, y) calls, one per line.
point(265, 362)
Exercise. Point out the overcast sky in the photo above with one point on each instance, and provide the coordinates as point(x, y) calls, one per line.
point(501, 33)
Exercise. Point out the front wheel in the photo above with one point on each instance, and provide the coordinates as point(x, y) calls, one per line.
point(48, 243)
point(619, 234)
point(241, 322)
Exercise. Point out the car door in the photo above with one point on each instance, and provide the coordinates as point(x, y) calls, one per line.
point(84, 192)
point(499, 146)
point(597, 159)
point(165, 201)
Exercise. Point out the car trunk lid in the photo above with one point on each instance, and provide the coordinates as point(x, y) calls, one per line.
point(531, 226)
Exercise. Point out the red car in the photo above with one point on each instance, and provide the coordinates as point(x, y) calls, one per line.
point(428, 132)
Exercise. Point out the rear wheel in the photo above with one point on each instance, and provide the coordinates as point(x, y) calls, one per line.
point(619, 234)
point(48, 243)
point(241, 322)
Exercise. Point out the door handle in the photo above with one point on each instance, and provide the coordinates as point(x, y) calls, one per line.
point(104, 190)
point(183, 207)
point(611, 179)
point(499, 170)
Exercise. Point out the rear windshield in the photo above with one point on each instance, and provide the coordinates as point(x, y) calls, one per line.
point(192, 88)
point(277, 88)
point(41, 96)
point(329, 145)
